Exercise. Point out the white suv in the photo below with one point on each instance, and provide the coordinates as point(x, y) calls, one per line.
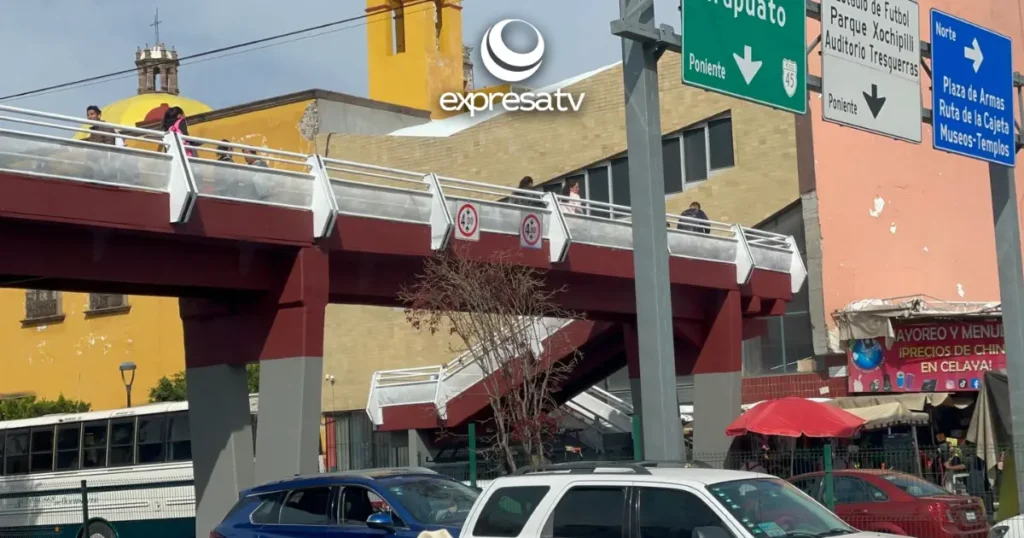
point(647, 500)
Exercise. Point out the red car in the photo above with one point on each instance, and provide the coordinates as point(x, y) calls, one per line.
point(898, 503)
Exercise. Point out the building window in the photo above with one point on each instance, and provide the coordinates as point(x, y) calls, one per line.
point(398, 26)
point(355, 445)
point(42, 305)
point(689, 156)
point(102, 303)
point(785, 341)
point(720, 151)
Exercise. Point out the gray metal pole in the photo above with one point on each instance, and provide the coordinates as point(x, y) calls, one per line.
point(1011, 293)
point(662, 430)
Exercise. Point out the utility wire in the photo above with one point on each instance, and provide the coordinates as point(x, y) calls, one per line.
point(209, 54)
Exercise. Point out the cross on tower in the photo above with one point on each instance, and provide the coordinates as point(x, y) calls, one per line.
point(156, 26)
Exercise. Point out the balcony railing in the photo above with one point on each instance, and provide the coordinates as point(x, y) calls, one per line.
point(188, 167)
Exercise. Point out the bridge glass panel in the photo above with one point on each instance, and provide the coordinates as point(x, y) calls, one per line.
point(252, 183)
point(37, 154)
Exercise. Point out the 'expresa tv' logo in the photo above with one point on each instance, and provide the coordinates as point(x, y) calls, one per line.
point(510, 66)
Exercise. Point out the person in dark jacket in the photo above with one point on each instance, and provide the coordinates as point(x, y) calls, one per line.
point(694, 212)
point(175, 122)
point(98, 134)
point(526, 184)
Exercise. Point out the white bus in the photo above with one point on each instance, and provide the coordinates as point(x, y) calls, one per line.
point(136, 464)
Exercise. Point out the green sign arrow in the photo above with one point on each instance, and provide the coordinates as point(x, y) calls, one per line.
point(750, 49)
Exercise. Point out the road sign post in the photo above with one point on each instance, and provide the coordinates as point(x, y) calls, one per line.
point(748, 49)
point(871, 66)
point(1011, 289)
point(662, 431)
point(972, 91)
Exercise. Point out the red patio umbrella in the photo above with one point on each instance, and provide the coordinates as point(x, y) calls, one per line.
point(794, 417)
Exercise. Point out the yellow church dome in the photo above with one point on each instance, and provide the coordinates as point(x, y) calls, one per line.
point(148, 107)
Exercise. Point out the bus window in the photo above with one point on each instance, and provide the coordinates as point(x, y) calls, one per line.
point(150, 448)
point(42, 450)
point(122, 442)
point(16, 457)
point(68, 436)
point(254, 421)
point(179, 438)
point(94, 444)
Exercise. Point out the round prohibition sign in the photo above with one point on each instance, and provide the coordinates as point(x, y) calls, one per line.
point(468, 220)
point(530, 230)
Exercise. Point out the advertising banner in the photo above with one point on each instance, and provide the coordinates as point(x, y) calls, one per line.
point(929, 357)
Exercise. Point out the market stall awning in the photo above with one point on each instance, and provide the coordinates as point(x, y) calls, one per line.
point(913, 401)
point(889, 414)
point(796, 417)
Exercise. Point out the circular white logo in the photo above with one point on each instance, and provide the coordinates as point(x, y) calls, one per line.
point(506, 64)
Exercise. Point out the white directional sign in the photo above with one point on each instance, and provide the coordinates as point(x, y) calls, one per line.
point(871, 66)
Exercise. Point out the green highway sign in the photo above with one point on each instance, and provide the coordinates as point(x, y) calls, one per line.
point(750, 49)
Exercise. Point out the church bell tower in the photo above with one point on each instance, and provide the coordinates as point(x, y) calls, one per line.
point(157, 66)
point(158, 69)
point(415, 52)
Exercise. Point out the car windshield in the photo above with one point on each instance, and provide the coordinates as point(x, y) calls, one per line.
point(770, 508)
point(914, 486)
point(434, 501)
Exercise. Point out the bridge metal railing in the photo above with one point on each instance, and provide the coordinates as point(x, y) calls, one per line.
point(187, 168)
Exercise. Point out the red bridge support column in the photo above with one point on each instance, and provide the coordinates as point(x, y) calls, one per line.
point(718, 379)
point(283, 331)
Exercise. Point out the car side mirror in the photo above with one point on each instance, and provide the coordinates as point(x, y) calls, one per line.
point(381, 521)
point(709, 532)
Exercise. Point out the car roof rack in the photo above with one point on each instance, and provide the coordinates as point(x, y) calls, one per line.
point(582, 467)
point(675, 464)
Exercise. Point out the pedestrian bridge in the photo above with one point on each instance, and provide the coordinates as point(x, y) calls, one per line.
point(159, 183)
point(256, 241)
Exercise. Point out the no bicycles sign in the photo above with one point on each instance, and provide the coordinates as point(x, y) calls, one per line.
point(467, 222)
point(530, 231)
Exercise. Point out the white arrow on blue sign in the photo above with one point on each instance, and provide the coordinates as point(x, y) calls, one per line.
point(972, 90)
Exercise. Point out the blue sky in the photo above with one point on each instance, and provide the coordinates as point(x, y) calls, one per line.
point(59, 41)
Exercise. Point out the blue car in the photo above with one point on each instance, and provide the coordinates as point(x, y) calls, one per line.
point(399, 502)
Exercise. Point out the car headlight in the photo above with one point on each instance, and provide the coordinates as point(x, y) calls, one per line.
point(998, 531)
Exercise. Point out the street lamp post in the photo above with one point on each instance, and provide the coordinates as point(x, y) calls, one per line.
point(127, 379)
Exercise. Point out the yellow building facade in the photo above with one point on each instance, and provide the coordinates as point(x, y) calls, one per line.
point(73, 344)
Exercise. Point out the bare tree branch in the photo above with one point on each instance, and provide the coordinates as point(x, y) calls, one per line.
point(508, 320)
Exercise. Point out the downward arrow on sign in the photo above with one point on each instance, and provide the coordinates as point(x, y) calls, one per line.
point(875, 103)
point(748, 67)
